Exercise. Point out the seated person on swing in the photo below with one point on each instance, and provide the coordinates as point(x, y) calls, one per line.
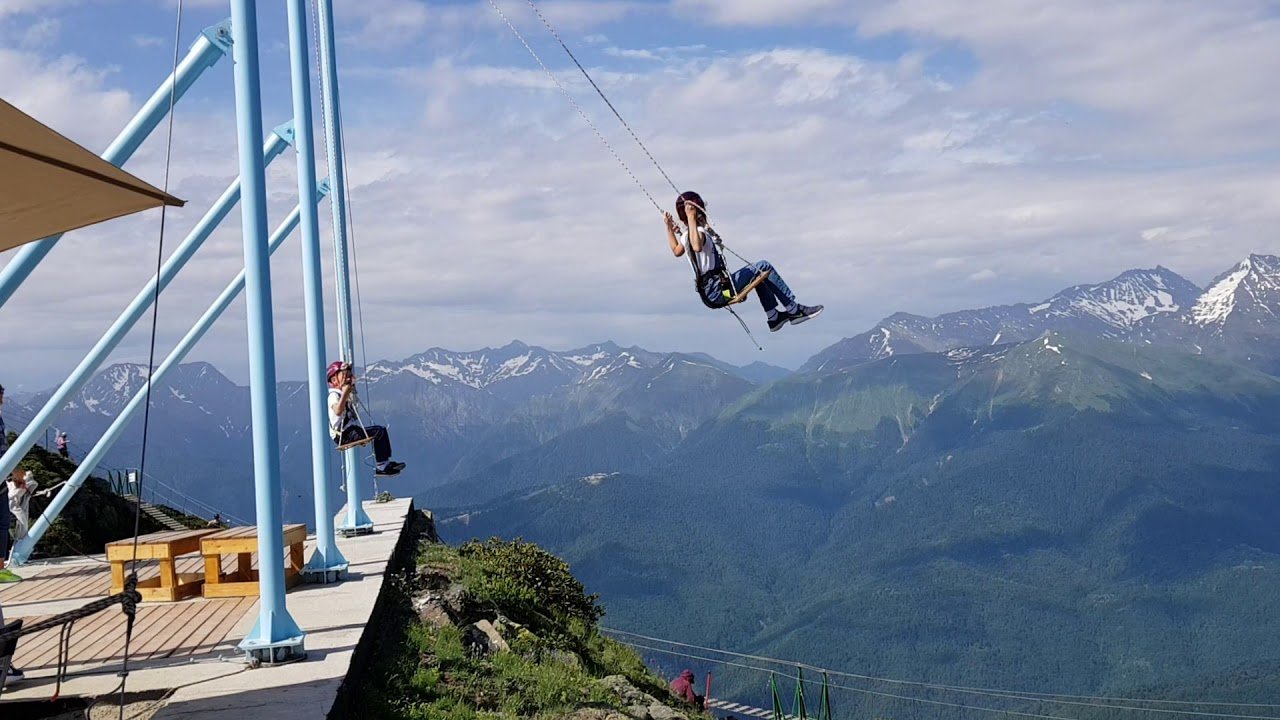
point(717, 286)
point(344, 421)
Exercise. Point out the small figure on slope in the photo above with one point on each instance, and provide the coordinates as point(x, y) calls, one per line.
point(682, 687)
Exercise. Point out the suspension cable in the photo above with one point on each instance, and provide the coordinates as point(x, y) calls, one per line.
point(355, 256)
point(569, 96)
point(995, 692)
point(151, 357)
point(600, 92)
point(576, 106)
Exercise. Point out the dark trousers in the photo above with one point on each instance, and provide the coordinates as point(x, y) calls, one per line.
point(381, 440)
point(5, 519)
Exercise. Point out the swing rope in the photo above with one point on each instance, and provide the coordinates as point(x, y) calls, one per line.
point(130, 605)
point(569, 96)
point(600, 136)
point(340, 140)
point(547, 23)
point(600, 92)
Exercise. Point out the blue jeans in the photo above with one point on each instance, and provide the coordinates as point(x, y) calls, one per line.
point(773, 292)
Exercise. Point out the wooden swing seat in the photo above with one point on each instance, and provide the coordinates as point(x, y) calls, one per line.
point(361, 442)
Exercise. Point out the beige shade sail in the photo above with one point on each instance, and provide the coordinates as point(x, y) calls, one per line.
point(49, 184)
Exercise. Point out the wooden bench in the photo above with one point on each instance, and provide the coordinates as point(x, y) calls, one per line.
point(165, 547)
point(243, 542)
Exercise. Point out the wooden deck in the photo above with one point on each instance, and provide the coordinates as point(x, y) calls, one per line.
point(162, 630)
point(188, 650)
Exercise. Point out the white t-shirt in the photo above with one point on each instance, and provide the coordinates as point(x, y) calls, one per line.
point(339, 423)
point(20, 496)
point(706, 257)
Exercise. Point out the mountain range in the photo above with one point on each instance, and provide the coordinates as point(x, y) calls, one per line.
point(1074, 495)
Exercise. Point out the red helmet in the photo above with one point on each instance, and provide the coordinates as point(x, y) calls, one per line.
point(336, 367)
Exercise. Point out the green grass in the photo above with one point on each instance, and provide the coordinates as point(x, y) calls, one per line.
point(555, 662)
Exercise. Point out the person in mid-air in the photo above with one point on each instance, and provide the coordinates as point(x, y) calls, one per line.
point(344, 423)
point(716, 285)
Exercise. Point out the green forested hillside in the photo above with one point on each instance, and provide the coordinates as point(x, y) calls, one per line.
point(1055, 515)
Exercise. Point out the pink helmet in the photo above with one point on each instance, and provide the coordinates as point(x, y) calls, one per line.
point(336, 367)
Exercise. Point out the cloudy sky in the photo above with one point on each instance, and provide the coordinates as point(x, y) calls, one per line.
point(886, 155)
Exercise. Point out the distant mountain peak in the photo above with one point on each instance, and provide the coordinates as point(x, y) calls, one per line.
point(1125, 300)
point(1118, 308)
point(1253, 285)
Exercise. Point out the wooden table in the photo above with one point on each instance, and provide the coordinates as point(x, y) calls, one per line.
point(166, 547)
point(243, 542)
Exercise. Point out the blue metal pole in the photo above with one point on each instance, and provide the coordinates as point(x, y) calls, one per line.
point(277, 143)
point(357, 520)
point(276, 637)
point(214, 42)
point(23, 548)
point(327, 560)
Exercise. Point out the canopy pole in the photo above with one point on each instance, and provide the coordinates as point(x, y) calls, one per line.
point(23, 548)
point(214, 42)
point(101, 351)
point(276, 638)
point(327, 562)
point(357, 521)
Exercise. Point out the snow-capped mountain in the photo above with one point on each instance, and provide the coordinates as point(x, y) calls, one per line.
point(451, 413)
point(1238, 317)
point(1246, 297)
point(513, 371)
point(517, 372)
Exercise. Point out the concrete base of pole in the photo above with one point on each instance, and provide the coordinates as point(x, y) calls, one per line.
point(324, 576)
point(267, 653)
point(352, 531)
point(280, 653)
point(325, 567)
point(321, 570)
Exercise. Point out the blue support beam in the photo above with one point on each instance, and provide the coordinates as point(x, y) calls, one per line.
point(276, 144)
point(357, 520)
point(327, 562)
point(213, 43)
point(23, 548)
point(276, 638)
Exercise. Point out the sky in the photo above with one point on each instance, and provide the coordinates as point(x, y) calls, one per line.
point(885, 155)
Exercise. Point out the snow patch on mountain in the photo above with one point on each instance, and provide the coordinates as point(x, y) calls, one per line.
point(1220, 299)
point(1122, 302)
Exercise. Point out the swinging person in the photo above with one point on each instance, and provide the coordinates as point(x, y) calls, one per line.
point(344, 422)
point(716, 285)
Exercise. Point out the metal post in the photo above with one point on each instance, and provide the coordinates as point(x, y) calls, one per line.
point(357, 521)
point(277, 143)
point(23, 548)
point(327, 562)
point(276, 638)
point(205, 52)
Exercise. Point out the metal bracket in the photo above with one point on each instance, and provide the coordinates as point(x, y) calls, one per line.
point(287, 132)
point(219, 35)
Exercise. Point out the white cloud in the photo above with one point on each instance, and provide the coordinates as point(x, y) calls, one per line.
point(487, 210)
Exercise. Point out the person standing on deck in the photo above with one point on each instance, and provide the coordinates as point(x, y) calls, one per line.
point(20, 485)
point(6, 575)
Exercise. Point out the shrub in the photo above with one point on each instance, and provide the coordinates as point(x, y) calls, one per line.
point(531, 586)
